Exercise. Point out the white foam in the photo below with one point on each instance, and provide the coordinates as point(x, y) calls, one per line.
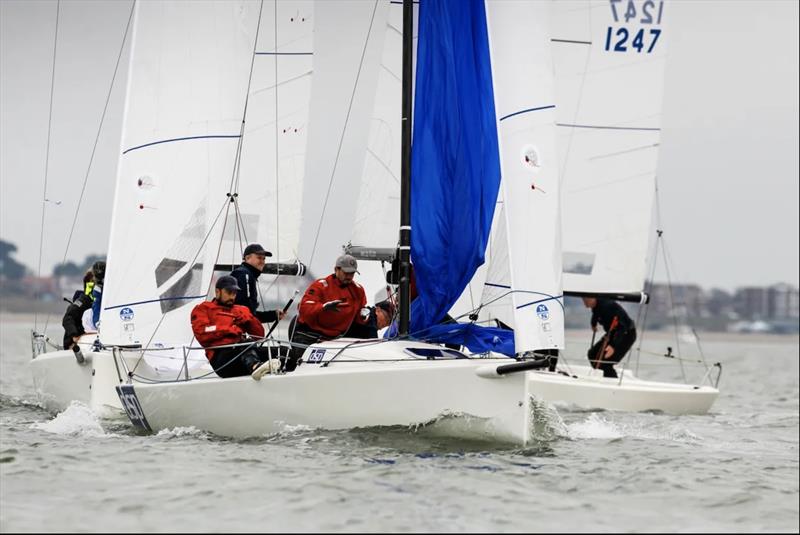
point(595, 426)
point(598, 427)
point(178, 432)
point(76, 420)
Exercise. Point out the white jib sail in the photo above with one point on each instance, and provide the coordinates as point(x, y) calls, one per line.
point(187, 84)
point(609, 63)
point(524, 102)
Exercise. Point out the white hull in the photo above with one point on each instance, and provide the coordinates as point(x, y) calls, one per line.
point(401, 390)
point(58, 379)
point(587, 388)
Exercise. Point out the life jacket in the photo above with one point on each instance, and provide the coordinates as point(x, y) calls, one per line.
point(332, 323)
point(216, 325)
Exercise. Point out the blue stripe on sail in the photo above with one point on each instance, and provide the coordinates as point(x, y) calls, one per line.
point(548, 298)
point(186, 297)
point(455, 162)
point(527, 111)
point(220, 136)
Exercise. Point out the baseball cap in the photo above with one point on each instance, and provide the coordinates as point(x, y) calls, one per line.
point(226, 282)
point(255, 248)
point(347, 263)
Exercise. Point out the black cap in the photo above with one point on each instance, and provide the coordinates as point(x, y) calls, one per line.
point(255, 248)
point(226, 282)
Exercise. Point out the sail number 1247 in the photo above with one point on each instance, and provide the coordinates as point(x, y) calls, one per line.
point(623, 39)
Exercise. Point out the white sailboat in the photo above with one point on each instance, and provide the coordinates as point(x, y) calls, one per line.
point(184, 166)
point(609, 62)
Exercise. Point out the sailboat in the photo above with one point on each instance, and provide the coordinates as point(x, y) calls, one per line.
point(609, 64)
point(189, 143)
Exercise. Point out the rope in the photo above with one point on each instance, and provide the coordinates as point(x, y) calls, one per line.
point(277, 165)
point(47, 161)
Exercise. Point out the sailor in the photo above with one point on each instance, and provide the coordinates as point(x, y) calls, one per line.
point(620, 334)
point(81, 303)
point(246, 275)
point(99, 273)
point(378, 317)
point(331, 307)
point(221, 322)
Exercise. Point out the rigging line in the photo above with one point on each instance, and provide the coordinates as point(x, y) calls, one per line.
point(672, 306)
point(239, 219)
point(146, 347)
point(277, 153)
point(668, 262)
point(234, 185)
point(654, 263)
point(96, 140)
point(47, 160)
point(344, 129)
point(641, 318)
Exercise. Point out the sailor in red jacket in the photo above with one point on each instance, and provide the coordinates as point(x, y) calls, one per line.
point(331, 307)
point(221, 322)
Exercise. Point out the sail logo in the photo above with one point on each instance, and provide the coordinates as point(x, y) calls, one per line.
point(543, 312)
point(126, 314)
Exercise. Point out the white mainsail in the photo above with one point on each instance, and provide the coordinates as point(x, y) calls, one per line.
point(349, 39)
point(609, 64)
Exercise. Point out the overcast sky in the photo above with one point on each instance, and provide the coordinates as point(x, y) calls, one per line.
point(728, 171)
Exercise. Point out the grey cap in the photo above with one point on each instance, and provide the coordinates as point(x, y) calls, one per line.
point(226, 282)
point(347, 263)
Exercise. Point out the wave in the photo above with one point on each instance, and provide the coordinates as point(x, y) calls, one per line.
point(75, 420)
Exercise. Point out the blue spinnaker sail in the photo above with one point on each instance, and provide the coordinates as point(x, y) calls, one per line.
point(455, 161)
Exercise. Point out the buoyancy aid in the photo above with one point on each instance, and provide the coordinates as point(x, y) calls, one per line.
point(332, 323)
point(215, 325)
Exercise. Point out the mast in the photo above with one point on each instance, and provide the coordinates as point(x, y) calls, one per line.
point(405, 168)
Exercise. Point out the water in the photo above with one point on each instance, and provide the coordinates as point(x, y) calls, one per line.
point(735, 469)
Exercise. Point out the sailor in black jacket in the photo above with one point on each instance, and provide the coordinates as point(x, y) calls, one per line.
point(246, 276)
point(73, 317)
point(619, 336)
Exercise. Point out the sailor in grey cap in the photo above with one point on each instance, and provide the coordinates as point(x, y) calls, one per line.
point(331, 307)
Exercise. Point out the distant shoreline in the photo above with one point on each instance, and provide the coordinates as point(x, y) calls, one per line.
point(571, 334)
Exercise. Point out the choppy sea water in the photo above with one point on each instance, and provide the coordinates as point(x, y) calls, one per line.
point(734, 469)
